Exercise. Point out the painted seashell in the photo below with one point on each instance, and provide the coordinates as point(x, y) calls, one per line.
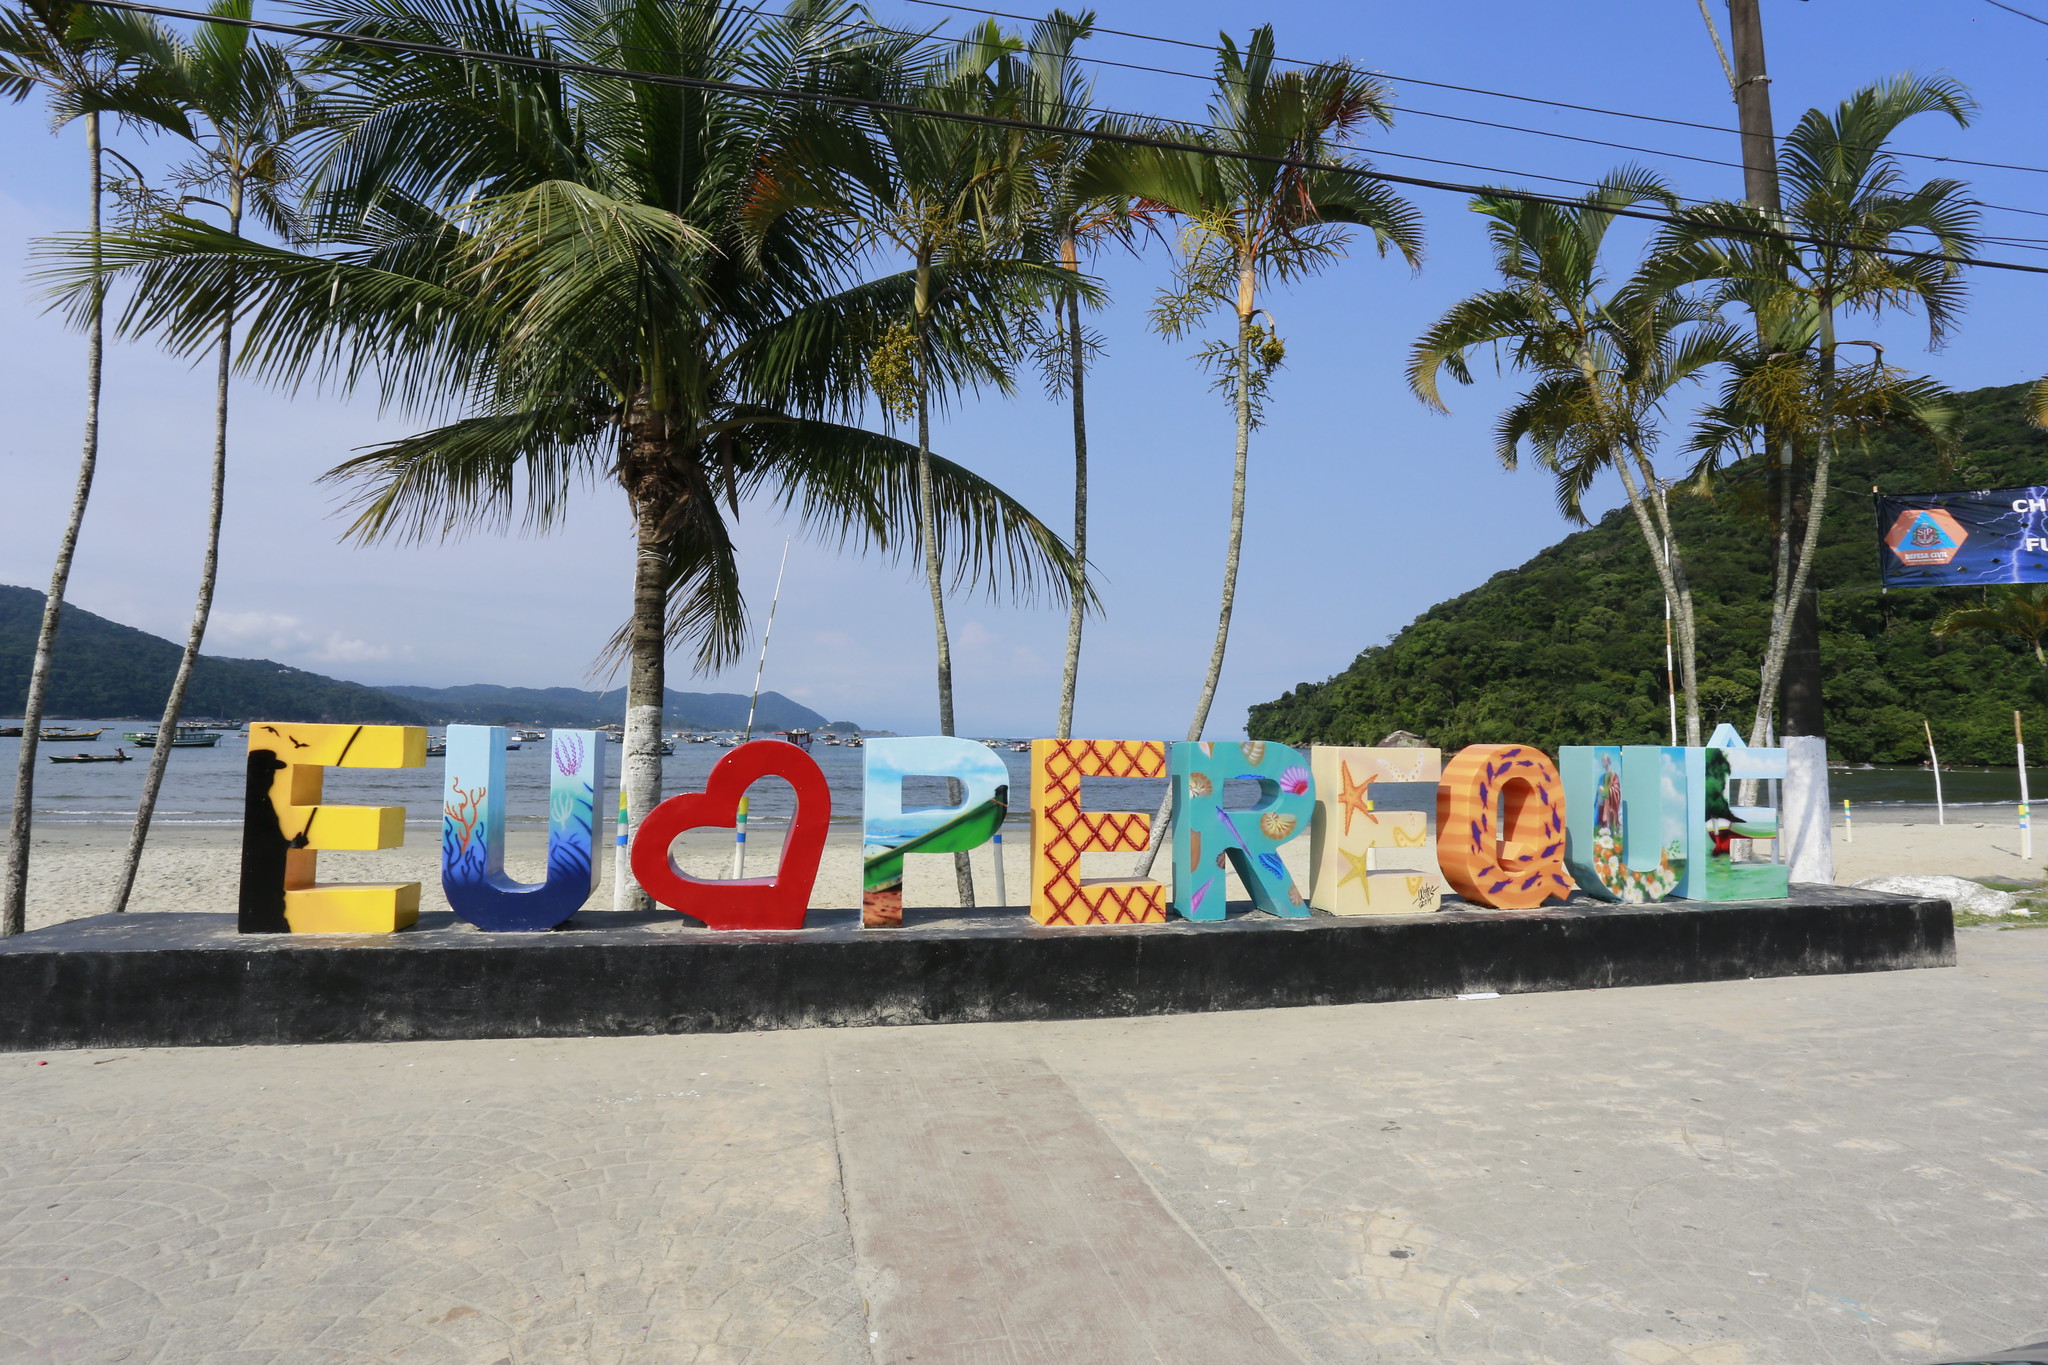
point(1219, 860)
point(1294, 781)
point(1293, 894)
point(1276, 825)
point(1254, 751)
point(1200, 785)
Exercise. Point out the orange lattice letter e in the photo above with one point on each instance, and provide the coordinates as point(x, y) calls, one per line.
point(1061, 832)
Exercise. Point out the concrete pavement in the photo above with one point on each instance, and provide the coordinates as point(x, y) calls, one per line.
point(1835, 1169)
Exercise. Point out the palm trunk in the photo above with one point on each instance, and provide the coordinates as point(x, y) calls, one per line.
point(1681, 607)
point(202, 608)
point(1781, 610)
point(1678, 591)
point(1802, 567)
point(1076, 375)
point(647, 659)
point(934, 577)
point(14, 899)
point(1245, 311)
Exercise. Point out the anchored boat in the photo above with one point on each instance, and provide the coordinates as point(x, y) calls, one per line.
point(184, 739)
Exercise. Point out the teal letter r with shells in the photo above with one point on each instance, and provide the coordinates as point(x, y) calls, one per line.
point(1209, 841)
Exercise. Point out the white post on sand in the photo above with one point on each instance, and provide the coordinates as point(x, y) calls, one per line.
point(2019, 744)
point(1002, 892)
point(1848, 823)
point(739, 833)
point(622, 871)
point(1934, 759)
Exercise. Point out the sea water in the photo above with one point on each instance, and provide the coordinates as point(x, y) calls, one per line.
point(205, 786)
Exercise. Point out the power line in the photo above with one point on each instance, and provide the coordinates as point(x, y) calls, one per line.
point(1494, 94)
point(869, 25)
point(2020, 12)
point(880, 106)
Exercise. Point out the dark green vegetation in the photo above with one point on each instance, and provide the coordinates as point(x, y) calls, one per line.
point(485, 704)
point(1569, 648)
point(103, 669)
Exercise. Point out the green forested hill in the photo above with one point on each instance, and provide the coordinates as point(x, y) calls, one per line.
point(1569, 648)
point(105, 670)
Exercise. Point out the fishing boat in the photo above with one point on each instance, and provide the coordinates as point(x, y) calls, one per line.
point(1021, 747)
point(61, 736)
point(184, 739)
point(800, 738)
point(438, 749)
point(10, 732)
point(856, 743)
point(528, 736)
point(118, 756)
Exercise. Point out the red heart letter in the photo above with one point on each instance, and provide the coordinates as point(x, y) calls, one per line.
point(776, 902)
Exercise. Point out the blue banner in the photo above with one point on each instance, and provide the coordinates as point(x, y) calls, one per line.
point(1946, 540)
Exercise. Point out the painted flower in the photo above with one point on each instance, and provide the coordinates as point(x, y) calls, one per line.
point(1294, 781)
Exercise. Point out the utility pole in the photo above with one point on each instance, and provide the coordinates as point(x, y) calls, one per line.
point(1753, 104)
point(1802, 721)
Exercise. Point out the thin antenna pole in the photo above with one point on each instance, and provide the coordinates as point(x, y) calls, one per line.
point(739, 836)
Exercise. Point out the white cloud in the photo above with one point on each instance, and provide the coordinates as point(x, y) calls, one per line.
point(270, 632)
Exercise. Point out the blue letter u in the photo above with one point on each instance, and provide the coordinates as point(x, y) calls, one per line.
point(473, 830)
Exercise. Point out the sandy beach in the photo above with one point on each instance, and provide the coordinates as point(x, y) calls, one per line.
point(195, 867)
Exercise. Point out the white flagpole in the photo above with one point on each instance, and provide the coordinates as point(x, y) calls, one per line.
point(1940, 812)
point(2019, 744)
point(1670, 677)
point(739, 837)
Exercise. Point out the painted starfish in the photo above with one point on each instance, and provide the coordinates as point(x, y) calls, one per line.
point(1356, 798)
point(1358, 865)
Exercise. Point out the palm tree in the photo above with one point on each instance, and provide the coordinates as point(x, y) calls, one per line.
point(570, 261)
point(1802, 269)
point(248, 105)
point(1253, 223)
point(42, 48)
point(1603, 362)
point(2018, 611)
point(953, 198)
point(1056, 91)
point(1248, 224)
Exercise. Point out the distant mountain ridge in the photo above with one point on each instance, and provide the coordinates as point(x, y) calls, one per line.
point(104, 670)
point(568, 707)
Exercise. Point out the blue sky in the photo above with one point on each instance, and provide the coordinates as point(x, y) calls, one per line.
point(1365, 508)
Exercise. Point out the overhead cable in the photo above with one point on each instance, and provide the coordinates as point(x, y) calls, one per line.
point(1482, 90)
point(893, 107)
